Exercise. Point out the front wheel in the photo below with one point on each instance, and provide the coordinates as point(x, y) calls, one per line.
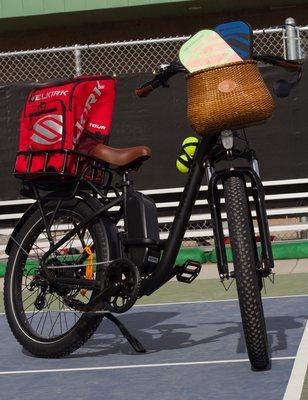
point(245, 269)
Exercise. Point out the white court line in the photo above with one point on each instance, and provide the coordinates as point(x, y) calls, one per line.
point(297, 378)
point(207, 301)
point(214, 301)
point(115, 367)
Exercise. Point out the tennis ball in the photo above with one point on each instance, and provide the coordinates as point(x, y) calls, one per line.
point(189, 145)
point(183, 163)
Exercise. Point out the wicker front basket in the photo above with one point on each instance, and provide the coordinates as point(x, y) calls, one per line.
point(231, 96)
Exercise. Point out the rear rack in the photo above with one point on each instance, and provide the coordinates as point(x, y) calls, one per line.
point(70, 164)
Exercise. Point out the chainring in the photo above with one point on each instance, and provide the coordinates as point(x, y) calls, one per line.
point(123, 275)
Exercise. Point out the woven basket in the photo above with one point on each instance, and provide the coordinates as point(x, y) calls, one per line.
point(231, 96)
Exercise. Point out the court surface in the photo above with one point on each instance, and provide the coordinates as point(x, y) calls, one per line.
point(194, 351)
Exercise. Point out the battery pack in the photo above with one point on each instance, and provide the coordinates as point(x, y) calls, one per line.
point(142, 223)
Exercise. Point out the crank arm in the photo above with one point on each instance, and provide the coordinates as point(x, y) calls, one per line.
point(93, 303)
point(104, 295)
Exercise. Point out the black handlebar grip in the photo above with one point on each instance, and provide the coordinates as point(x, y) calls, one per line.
point(144, 91)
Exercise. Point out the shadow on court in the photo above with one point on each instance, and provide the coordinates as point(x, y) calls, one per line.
point(156, 335)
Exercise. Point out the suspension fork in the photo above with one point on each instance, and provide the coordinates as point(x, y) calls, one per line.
point(214, 201)
point(259, 200)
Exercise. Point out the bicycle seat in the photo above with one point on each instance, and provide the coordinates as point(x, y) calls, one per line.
point(130, 157)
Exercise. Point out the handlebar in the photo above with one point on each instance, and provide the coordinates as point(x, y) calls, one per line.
point(280, 62)
point(167, 71)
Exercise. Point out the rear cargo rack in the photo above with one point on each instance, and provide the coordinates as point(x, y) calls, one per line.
point(73, 164)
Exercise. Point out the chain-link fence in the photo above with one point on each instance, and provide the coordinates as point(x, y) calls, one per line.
point(303, 41)
point(201, 233)
point(133, 56)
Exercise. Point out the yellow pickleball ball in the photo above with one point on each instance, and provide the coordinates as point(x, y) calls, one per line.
point(189, 145)
point(183, 163)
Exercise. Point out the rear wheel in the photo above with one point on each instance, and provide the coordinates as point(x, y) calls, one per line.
point(43, 318)
point(245, 270)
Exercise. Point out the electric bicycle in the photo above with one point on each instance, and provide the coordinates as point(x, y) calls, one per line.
point(71, 263)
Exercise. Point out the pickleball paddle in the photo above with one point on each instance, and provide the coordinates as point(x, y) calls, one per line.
point(206, 49)
point(239, 35)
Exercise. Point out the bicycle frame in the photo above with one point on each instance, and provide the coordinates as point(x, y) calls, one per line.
point(166, 269)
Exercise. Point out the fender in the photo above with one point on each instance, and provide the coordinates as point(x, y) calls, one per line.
point(107, 223)
point(31, 210)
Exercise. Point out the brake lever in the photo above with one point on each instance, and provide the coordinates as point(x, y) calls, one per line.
point(165, 72)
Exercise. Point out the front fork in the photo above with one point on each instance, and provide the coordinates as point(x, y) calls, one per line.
point(214, 200)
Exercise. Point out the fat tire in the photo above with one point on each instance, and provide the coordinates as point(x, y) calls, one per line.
point(245, 270)
point(88, 322)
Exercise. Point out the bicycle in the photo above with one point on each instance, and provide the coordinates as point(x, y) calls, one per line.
point(69, 265)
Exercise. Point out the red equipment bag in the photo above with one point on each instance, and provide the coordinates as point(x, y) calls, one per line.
point(54, 118)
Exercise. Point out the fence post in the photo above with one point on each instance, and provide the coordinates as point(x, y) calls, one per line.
point(291, 39)
point(77, 53)
point(304, 220)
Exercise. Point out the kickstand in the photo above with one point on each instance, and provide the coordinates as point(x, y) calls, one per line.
point(136, 345)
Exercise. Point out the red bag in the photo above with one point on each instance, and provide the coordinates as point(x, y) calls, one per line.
point(55, 117)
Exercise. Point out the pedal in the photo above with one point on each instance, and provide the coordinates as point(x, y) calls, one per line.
point(189, 271)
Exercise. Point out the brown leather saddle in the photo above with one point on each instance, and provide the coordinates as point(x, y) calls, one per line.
point(129, 158)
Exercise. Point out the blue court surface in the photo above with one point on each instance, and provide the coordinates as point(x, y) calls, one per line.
point(194, 351)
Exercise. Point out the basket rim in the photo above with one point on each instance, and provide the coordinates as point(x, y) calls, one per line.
point(243, 62)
